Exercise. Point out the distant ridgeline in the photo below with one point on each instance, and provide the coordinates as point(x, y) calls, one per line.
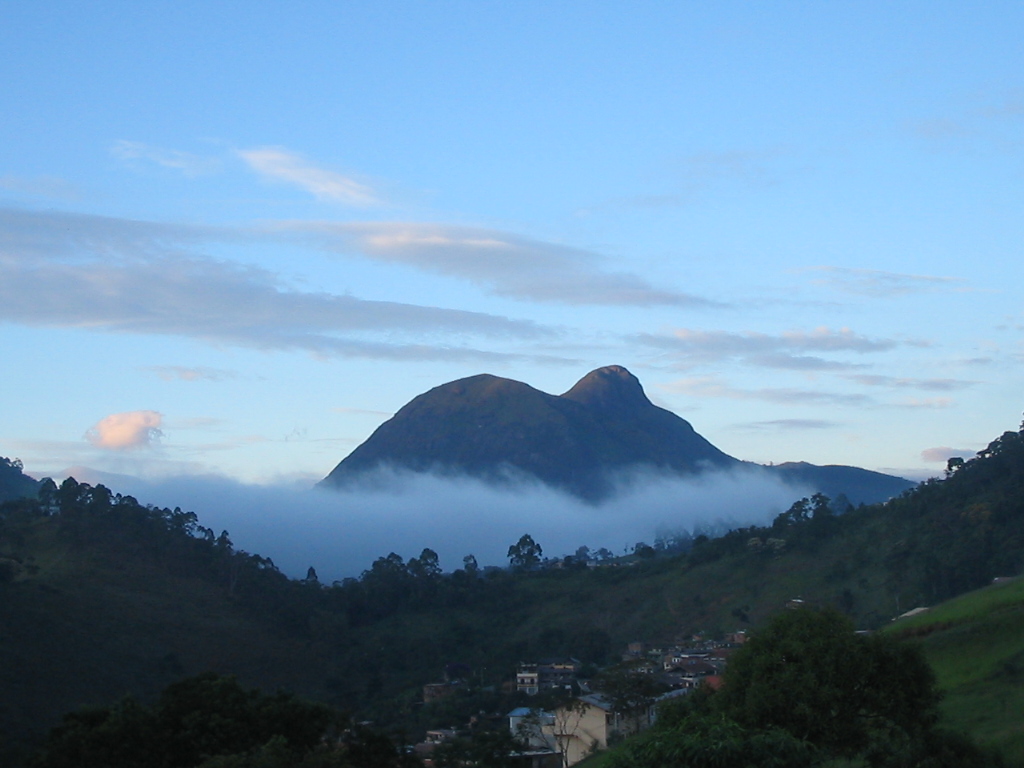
point(582, 441)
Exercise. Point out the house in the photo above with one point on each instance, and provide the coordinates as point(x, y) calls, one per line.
point(636, 649)
point(678, 657)
point(736, 638)
point(528, 679)
point(532, 726)
point(551, 673)
point(558, 673)
point(695, 668)
point(425, 749)
point(582, 726)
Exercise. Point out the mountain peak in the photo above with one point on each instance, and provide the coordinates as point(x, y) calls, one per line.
point(583, 441)
point(610, 389)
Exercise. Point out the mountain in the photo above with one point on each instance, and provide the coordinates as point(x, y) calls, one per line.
point(859, 486)
point(490, 427)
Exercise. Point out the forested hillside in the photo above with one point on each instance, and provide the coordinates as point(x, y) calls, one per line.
point(102, 596)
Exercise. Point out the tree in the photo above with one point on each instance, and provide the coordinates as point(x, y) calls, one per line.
point(808, 673)
point(566, 728)
point(194, 720)
point(644, 550)
point(806, 690)
point(631, 689)
point(491, 748)
point(525, 554)
point(799, 512)
point(426, 566)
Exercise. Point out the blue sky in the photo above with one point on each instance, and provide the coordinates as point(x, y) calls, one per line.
point(236, 237)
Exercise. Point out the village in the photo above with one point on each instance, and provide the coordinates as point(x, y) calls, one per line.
point(590, 713)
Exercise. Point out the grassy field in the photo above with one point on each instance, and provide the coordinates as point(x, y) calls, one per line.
point(975, 643)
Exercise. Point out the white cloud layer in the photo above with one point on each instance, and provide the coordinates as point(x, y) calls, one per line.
point(503, 263)
point(126, 431)
point(341, 533)
point(279, 164)
point(114, 275)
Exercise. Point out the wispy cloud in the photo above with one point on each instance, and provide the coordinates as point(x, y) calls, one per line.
point(362, 412)
point(750, 166)
point(186, 162)
point(126, 431)
point(194, 422)
point(944, 453)
point(503, 263)
point(787, 351)
point(990, 124)
point(279, 164)
point(1010, 107)
point(40, 186)
point(182, 373)
point(878, 284)
point(942, 129)
point(927, 402)
point(786, 425)
point(712, 386)
point(693, 175)
point(895, 382)
point(133, 277)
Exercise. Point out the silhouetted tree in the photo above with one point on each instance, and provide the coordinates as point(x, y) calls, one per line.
point(525, 553)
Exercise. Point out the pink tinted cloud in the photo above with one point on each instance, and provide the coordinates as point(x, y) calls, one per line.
point(126, 431)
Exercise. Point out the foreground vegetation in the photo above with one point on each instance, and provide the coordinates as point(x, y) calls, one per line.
point(213, 722)
point(101, 596)
point(806, 691)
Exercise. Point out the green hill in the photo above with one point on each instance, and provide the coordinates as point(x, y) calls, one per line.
point(975, 644)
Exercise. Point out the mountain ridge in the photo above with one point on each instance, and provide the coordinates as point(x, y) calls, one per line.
point(581, 441)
